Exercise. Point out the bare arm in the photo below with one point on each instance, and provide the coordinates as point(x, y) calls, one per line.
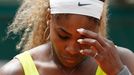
point(127, 58)
point(12, 68)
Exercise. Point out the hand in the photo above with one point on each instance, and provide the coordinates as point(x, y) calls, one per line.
point(102, 50)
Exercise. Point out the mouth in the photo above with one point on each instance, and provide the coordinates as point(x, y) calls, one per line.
point(70, 59)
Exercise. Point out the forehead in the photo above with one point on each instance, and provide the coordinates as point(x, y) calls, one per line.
point(74, 21)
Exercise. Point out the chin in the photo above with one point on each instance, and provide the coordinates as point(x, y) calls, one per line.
point(70, 63)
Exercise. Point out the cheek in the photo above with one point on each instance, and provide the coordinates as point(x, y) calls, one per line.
point(97, 29)
point(58, 44)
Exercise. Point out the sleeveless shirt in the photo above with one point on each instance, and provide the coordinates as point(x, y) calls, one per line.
point(30, 69)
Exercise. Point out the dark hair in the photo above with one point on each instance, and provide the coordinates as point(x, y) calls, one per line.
point(102, 0)
point(57, 16)
point(33, 17)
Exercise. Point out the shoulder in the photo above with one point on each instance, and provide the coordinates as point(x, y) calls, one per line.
point(40, 52)
point(13, 67)
point(127, 57)
point(125, 53)
point(42, 59)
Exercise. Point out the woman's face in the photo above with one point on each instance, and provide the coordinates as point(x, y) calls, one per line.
point(64, 36)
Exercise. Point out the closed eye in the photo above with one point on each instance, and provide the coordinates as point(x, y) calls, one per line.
point(63, 37)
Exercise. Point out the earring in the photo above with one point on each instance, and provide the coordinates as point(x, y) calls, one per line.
point(46, 32)
point(48, 23)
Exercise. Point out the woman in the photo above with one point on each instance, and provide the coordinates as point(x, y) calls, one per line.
point(70, 36)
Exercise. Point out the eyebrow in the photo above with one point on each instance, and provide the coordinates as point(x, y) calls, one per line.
point(62, 29)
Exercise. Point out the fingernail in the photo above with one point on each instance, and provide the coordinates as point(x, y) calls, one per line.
point(81, 51)
point(80, 40)
point(80, 30)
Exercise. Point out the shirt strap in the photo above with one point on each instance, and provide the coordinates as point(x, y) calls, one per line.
point(27, 63)
point(100, 71)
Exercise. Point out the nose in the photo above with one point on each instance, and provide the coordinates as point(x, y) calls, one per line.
point(72, 48)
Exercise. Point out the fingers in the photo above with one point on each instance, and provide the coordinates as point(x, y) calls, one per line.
point(88, 52)
point(103, 50)
point(95, 42)
point(95, 45)
point(92, 35)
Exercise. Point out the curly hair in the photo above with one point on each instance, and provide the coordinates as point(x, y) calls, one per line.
point(31, 22)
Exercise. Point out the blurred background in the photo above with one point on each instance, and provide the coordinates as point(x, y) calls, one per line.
point(120, 23)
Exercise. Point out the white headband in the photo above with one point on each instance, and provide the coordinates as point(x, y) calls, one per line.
point(91, 8)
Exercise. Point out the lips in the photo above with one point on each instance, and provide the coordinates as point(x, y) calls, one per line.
point(70, 59)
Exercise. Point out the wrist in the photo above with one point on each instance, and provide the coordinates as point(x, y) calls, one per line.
point(116, 70)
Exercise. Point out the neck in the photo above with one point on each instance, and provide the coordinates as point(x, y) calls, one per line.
point(61, 66)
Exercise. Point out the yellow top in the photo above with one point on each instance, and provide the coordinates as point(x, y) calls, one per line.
point(30, 68)
point(100, 71)
point(27, 63)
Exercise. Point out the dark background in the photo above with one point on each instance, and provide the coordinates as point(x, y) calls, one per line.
point(121, 25)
